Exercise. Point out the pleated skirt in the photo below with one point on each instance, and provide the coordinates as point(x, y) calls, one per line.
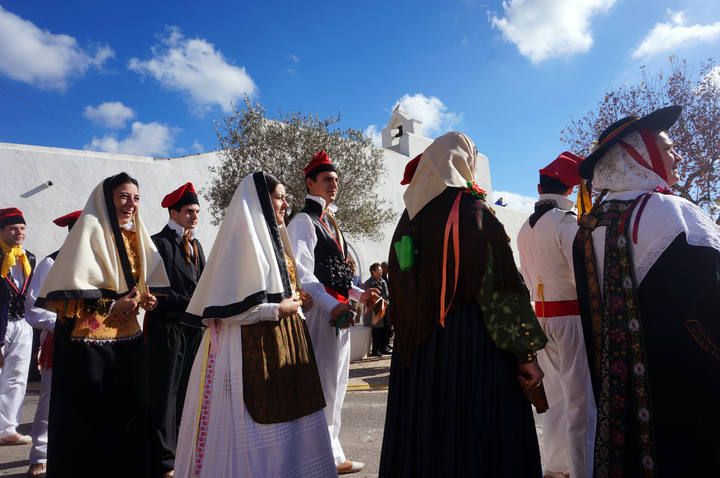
point(456, 409)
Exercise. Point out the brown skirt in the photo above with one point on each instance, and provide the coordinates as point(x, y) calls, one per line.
point(280, 376)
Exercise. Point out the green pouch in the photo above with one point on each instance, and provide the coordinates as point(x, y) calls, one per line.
point(405, 251)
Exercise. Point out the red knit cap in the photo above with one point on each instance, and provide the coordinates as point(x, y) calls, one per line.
point(68, 220)
point(11, 215)
point(183, 195)
point(564, 168)
point(319, 163)
point(410, 168)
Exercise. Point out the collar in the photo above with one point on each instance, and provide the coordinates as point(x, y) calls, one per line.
point(130, 226)
point(332, 208)
point(562, 202)
point(179, 230)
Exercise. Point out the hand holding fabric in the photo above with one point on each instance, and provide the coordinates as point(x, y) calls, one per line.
point(127, 303)
point(288, 307)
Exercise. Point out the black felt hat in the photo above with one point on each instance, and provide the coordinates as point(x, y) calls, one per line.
point(659, 120)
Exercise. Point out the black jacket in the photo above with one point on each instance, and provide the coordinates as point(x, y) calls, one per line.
point(7, 294)
point(183, 277)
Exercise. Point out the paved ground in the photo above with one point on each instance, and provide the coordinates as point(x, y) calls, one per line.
point(361, 434)
point(363, 419)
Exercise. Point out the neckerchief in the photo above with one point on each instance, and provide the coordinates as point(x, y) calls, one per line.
point(11, 256)
point(614, 338)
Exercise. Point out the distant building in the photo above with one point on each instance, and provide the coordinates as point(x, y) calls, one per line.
point(48, 182)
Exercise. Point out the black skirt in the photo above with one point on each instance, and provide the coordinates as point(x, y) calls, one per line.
point(457, 408)
point(98, 408)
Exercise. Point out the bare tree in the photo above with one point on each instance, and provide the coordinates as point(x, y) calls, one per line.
point(696, 134)
point(282, 146)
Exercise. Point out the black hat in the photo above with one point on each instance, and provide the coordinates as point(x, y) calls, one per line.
point(659, 120)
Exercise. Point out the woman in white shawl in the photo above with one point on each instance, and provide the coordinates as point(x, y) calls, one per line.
point(254, 402)
point(107, 269)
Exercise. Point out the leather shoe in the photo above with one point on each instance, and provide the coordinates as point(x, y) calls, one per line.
point(347, 467)
point(37, 469)
point(15, 439)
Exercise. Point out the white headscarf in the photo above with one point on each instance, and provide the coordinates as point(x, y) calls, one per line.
point(617, 170)
point(448, 162)
point(247, 265)
point(90, 262)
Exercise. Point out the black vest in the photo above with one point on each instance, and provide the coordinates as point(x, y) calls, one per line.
point(331, 268)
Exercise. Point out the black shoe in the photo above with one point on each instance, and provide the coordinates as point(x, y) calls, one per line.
point(376, 354)
point(386, 352)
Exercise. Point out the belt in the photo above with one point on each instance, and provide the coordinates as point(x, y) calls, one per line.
point(558, 308)
point(340, 297)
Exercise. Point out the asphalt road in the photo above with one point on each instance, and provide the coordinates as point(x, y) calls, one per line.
point(361, 434)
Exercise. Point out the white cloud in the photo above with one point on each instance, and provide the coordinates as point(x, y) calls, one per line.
point(197, 147)
point(516, 202)
point(294, 58)
point(543, 29)
point(196, 68)
point(41, 58)
point(150, 139)
point(674, 34)
point(432, 112)
point(111, 114)
point(373, 133)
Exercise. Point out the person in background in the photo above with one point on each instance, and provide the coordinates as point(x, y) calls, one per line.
point(43, 320)
point(545, 243)
point(380, 336)
point(172, 338)
point(16, 268)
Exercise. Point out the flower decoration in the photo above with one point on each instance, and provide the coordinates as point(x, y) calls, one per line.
point(475, 190)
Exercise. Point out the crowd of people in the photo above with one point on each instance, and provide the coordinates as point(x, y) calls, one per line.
point(155, 363)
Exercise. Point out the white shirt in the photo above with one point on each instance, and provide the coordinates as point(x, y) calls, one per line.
point(546, 252)
point(37, 317)
point(180, 231)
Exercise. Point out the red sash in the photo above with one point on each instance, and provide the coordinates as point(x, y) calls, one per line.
point(558, 308)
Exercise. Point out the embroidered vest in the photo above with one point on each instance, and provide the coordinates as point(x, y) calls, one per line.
point(331, 268)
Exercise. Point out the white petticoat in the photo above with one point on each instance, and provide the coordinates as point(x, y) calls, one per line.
point(219, 439)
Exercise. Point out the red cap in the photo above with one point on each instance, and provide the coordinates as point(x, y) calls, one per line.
point(68, 220)
point(410, 169)
point(11, 215)
point(183, 195)
point(319, 163)
point(564, 169)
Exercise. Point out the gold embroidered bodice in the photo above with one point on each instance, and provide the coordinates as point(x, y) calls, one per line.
point(292, 273)
point(97, 325)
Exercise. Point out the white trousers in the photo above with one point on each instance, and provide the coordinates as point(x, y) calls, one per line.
point(39, 433)
point(332, 354)
point(14, 374)
point(569, 425)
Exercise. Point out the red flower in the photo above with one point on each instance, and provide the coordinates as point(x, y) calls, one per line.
point(475, 190)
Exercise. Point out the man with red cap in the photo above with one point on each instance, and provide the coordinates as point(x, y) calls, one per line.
point(173, 338)
point(545, 243)
point(16, 266)
point(43, 320)
point(321, 254)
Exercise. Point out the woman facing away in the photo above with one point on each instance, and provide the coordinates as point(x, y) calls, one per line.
point(107, 270)
point(465, 336)
point(254, 403)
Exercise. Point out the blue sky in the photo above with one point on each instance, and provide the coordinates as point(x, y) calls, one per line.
point(152, 77)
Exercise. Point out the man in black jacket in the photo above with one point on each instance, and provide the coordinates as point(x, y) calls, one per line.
point(172, 340)
point(16, 266)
